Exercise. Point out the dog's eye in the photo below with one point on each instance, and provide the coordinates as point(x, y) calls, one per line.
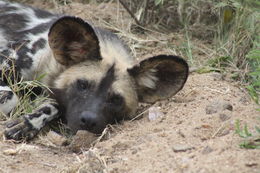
point(82, 84)
point(116, 100)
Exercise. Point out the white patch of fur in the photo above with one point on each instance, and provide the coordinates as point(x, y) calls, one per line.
point(6, 60)
point(2, 3)
point(41, 52)
point(30, 15)
point(33, 38)
point(9, 104)
point(3, 41)
point(4, 65)
point(41, 59)
point(13, 54)
point(38, 122)
point(148, 79)
point(5, 88)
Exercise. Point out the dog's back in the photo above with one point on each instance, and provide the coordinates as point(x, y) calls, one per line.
point(24, 33)
point(24, 40)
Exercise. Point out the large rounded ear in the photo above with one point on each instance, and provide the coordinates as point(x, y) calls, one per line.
point(159, 77)
point(72, 40)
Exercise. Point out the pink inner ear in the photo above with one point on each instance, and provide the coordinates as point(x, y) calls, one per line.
point(82, 51)
point(76, 50)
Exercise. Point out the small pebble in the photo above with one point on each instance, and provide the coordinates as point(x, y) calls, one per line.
point(10, 152)
point(251, 164)
point(225, 115)
point(217, 76)
point(207, 150)
point(181, 147)
point(218, 106)
point(56, 138)
point(154, 113)
point(82, 141)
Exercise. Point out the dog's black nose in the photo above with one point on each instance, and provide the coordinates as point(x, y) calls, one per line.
point(92, 122)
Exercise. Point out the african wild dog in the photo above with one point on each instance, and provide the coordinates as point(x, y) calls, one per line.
point(90, 72)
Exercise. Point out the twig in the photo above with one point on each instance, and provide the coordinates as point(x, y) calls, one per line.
point(146, 4)
point(49, 165)
point(217, 91)
point(139, 115)
point(130, 12)
point(105, 131)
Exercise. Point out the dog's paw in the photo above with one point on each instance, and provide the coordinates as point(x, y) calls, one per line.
point(19, 129)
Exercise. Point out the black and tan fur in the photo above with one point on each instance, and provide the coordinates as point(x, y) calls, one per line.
point(90, 72)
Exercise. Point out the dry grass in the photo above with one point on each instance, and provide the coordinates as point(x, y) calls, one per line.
point(88, 161)
point(25, 92)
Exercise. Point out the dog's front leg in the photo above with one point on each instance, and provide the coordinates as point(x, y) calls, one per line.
point(29, 125)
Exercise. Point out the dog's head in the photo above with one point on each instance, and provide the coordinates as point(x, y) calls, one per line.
point(96, 89)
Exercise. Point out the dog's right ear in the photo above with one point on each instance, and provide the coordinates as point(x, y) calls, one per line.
point(159, 77)
point(73, 40)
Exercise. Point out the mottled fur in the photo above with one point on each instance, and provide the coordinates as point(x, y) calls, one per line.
point(90, 71)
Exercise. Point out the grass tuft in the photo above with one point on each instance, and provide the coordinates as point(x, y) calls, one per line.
point(250, 141)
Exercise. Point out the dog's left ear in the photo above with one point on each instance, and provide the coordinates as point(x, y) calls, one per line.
point(73, 40)
point(159, 77)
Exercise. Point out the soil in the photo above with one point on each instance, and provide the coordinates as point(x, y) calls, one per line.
point(194, 132)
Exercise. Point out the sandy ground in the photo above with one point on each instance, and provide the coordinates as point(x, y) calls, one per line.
point(183, 139)
point(195, 133)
